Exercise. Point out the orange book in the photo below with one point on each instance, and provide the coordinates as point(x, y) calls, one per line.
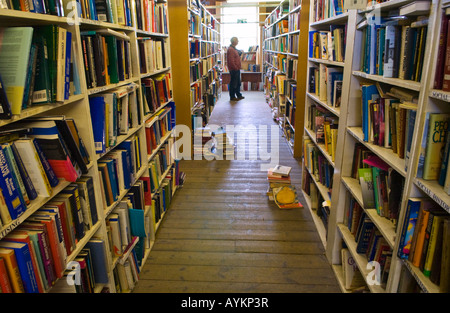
point(5, 284)
point(13, 269)
point(19, 236)
point(420, 239)
point(67, 224)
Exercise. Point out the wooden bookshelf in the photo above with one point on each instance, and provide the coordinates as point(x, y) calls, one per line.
point(285, 33)
point(346, 189)
point(195, 25)
point(77, 106)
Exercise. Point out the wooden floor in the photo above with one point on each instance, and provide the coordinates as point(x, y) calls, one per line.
point(221, 234)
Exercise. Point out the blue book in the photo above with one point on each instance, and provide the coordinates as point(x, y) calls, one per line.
point(52, 178)
point(137, 222)
point(24, 263)
point(68, 61)
point(97, 108)
point(409, 224)
point(369, 92)
point(364, 236)
point(112, 177)
point(128, 145)
point(9, 190)
point(98, 255)
point(126, 164)
point(29, 187)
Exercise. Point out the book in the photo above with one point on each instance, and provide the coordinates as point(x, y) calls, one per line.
point(98, 253)
point(33, 164)
point(5, 283)
point(367, 188)
point(5, 106)
point(437, 132)
point(444, 283)
point(16, 44)
point(9, 189)
point(9, 257)
point(408, 227)
point(24, 263)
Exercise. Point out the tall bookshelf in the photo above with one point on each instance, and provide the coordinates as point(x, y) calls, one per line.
point(417, 96)
point(285, 32)
point(130, 90)
point(197, 76)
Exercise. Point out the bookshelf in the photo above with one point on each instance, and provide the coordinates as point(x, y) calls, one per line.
point(397, 162)
point(197, 77)
point(135, 104)
point(285, 32)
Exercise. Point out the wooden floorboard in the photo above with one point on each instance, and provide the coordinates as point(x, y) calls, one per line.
point(222, 234)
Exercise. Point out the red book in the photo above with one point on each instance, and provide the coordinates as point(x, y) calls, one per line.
point(446, 80)
point(439, 76)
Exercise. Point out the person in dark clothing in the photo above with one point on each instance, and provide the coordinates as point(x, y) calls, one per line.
point(234, 67)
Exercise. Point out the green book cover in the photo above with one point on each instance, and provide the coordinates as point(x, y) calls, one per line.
point(113, 68)
point(366, 182)
point(14, 54)
point(437, 131)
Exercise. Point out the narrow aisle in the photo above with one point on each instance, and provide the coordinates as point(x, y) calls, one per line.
point(222, 234)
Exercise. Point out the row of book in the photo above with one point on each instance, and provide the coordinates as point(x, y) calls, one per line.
point(156, 128)
point(196, 93)
point(39, 6)
point(195, 24)
point(151, 16)
point(278, 44)
point(318, 166)
point(319, 205)
point(210, 34)
point(326, 82)
point(369, 240)
point(394, 48)
point(106, 57)
point(294, 21)
point(248, 57)
point(323, 9)
point(159, 165)
point(325, 126)
point(425, 241)
point(118, 169)
point(156, 91)
point(36, 67)
point(381, 186)
point(34, 255)
point(114, 113)
point(35, 159)
point(293, 44)
point(153, 54)
point(328, 45)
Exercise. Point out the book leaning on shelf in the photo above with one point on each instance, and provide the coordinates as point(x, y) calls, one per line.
point(38, 69)
point(423, 241)
point(381, 186)
point(113, 113)
point(36, 251)
point(106, 57)
point(394, 47)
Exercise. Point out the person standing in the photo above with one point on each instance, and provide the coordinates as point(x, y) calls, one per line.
point(234, 67)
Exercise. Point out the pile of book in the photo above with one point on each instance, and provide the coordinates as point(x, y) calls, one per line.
point(225, 145)
point(280, 189)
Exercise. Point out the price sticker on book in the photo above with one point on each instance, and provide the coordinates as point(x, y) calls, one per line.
point(355, 4)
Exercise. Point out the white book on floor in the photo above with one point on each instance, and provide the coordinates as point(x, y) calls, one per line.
point(281, 170)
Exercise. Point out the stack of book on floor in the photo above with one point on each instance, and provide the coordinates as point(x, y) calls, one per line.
point(225, 145)
point(204, 142)
point(280, 189)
